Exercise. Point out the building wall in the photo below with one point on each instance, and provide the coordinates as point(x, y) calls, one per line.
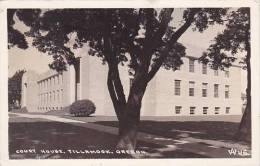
point(29, 91)
point(168, 100)
point(159, 98)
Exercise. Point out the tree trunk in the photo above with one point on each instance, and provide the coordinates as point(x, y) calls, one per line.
point(128, 128)
point(244, 132)
point(128, 124)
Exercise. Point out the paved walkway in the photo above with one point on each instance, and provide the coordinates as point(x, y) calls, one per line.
point(210, 148)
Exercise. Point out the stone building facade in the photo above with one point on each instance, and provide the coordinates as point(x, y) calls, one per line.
point(194, 89)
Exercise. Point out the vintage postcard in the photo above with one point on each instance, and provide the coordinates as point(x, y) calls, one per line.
point(130, 82)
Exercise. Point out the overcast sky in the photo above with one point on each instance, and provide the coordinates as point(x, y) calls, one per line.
point(31, 59)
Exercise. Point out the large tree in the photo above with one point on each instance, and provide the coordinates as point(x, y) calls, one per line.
point(144, 39)
point(225, 51)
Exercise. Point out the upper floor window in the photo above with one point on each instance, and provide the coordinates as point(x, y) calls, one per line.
point(61, 78)
point(226, 91)
point(216, 87)
point(204, 89)
point(191, 65)
point(204, 68)
point(54, 96)
point(216, 72)
point(177, 89)
point(191, 88)
point(58, 95)
point(227, 73)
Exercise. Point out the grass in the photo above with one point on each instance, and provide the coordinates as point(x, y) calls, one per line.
point(40, 134)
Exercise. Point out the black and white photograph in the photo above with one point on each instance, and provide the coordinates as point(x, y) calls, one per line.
point(159, 82)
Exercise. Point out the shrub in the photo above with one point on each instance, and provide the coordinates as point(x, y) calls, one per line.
point(24, 109)
point(82, 108)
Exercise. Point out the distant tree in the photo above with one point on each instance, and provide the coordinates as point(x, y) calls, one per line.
point(14, 88)
point(223, 53)
point(141, 39)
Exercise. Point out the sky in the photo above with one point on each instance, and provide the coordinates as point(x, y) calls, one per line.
point(31, 59)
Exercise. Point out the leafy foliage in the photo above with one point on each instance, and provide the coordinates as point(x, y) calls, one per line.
point(132, 31)
point(235, 38)
point(14, 87)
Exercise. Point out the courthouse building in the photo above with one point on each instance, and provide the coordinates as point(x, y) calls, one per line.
point(194, 89)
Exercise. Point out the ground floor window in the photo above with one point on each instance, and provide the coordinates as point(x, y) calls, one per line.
point(227, 110)
point(192, 110)
point(217, 110)
point(177, 109)
point(205, 110)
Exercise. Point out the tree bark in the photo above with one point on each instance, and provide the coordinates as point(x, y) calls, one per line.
point(128, 124)
point(244, 132)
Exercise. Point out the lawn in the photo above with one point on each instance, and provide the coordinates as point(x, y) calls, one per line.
point(41, 135)
point(221, 128)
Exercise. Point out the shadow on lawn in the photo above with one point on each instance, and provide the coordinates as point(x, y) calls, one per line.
point(55, 135)
point(209, 130)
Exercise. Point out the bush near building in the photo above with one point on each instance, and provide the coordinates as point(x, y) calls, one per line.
point(82, 108)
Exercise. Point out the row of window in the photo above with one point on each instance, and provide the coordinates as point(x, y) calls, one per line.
point(205, 110)
point(204, 68)
point(204, 92)
point(49, 97)
point(49, 108)
point(51, 81)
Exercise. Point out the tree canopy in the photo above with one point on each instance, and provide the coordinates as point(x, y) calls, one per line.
point(142, 33)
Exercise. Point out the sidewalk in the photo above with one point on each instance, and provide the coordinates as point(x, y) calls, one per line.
point(211, 148)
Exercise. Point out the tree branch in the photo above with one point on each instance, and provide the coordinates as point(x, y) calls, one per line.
point(114, 83)
point(152, 43)
point(173, 39)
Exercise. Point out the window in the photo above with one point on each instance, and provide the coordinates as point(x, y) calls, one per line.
point(58, 95)
point(227, 110)
point(61, 95)
point(47, 98)
point(216, 90)
point(204, 89)
point(61, 78)
point(217, 110)
point(191, 65)
point(177, 87)
point(227, 73)
point(177, 109)
point(58, 79)
point(192, 110)
point(49, 83)
point(204, 68)
point(50, 97)
point(205, 110)
point(54, 96)
point(216, 72)
point(191, 88)
point(226, 91)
